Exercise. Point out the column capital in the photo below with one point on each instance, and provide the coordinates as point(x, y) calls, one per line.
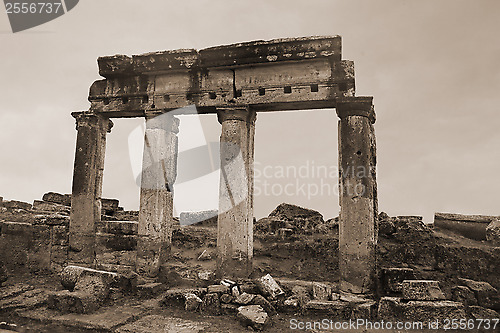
point(88, 118)
point(355, 106)
point(242, 113)
point(164, 121)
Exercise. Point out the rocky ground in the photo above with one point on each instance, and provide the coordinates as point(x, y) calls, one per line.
point(297, 248)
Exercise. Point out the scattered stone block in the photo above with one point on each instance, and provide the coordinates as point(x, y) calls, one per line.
point(211, 305)
point(72, 302)
point(176, 296)
point(150, 289)
point(218, 288)
point(25, 300)
point(192, 302)
point(463, 295)
point(159, 323)
point(334, 309)
point(235, 291)
point(266, 305)
point(14, 204)
point(486, 294)
point(72, 274)
point(352, 298)
point(390, 308)
point(479, 312)
point(270, 287)
point(291, 304)
point(226, 298)
point(206, 276)
point(493, 232)
point(366, 310)
point(244, 299)
point(392, 278)
point(253, 316)
point(422, 290)
point(249, 287)
point(321, 291)
point(301, 294)
point(426, 311)
point(61, 199)
point(229, 309)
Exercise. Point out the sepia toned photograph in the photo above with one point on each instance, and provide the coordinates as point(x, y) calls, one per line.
point(236, 166)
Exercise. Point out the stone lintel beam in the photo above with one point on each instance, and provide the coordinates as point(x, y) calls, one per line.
point(255, 52)
point(235, 220)
point(87, 185)
point(286, 85)
point(358, 195)
point(156, 197)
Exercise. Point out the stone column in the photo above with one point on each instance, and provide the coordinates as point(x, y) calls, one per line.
point(159, 170)
point(357, 195)
point(235, 220)
point(87, 185)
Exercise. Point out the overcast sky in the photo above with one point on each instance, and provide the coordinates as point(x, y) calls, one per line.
point(433, 68)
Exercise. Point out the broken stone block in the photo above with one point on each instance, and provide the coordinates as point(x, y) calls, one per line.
point(253, 316)
point(50, 207)
point(270, 287)
point(301, 294)
point(479, 312)
point(206, 276)
point(235, 291)
point(14, 204)
point(486, 294)
point(366, 310)
point(72, 302)
point(291, 304)
point(248, 287)
point(61, 199)
point(192, 302)
point(226, 298)
point(72, 274)
point(426, 311)
point(176, 296)
point(211, 304)
point(352, 298)
point(218, 288)
point(422, 290)
point(229, 309)
point(390, 308)
point(244, 299)
point(266, 305)
point(150, 289)
point(334, 309)
point(321, 291)
point(463, 295)
point(493, 232)
point(392, 278)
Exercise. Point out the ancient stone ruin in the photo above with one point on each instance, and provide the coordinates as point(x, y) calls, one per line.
point(235, 82)
point(120, 271)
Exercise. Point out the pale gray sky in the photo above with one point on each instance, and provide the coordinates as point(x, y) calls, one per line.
point(432, 67)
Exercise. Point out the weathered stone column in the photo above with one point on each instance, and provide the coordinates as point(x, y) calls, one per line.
point(159, 170)
point(87, 185)
point(358, 194)
point(235, 220)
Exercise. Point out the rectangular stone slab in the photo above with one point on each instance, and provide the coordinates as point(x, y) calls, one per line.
point(282, 74)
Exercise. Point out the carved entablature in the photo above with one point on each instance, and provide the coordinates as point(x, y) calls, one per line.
point(280, 74)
